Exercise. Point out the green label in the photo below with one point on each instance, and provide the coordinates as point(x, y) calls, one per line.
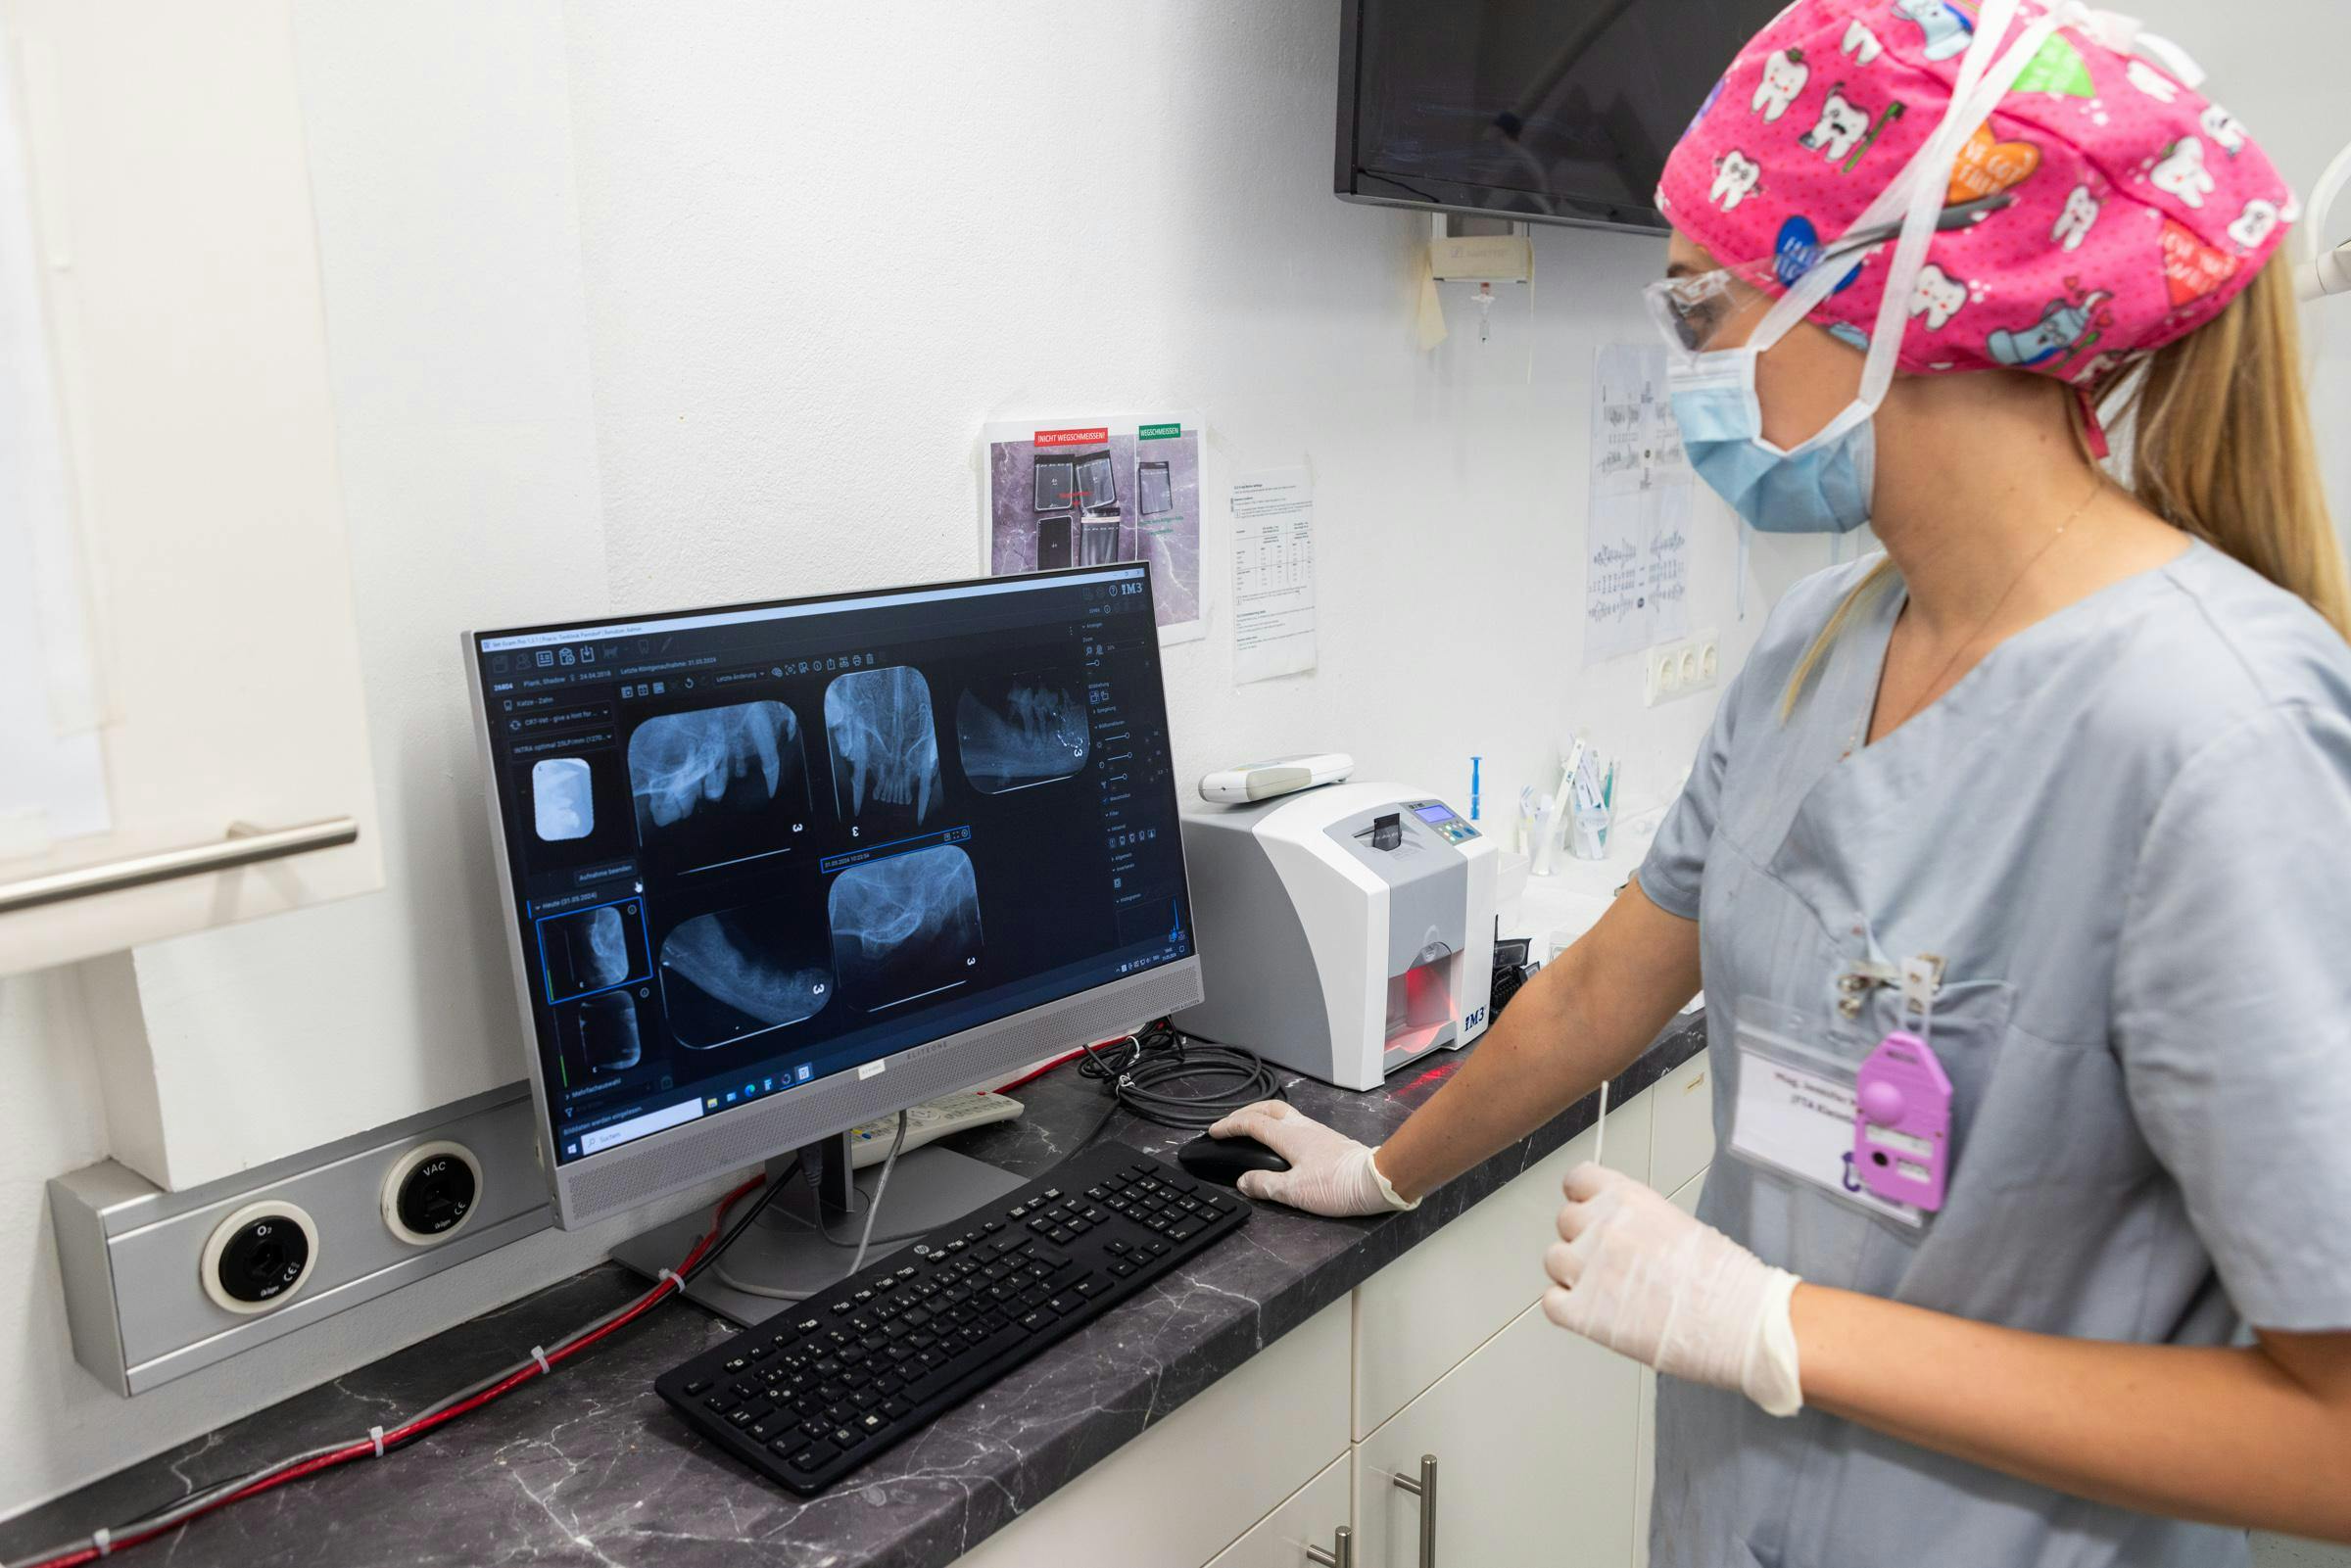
point(2058, 68)
point(1159, 432)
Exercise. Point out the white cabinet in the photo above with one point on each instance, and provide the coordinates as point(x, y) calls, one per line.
point(1309, 1521)
point(1199, 1481)
point(1682, 1123)
point(1425, 1311)
point(184, 316)
point(1645, 1450)
point(1533, 1439)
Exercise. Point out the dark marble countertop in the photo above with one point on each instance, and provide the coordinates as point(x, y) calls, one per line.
point(589, 1467)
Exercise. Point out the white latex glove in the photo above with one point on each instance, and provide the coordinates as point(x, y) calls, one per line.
point(1635, 1273)
point(1330, 1174)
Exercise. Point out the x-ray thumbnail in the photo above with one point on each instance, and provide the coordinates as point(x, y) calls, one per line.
point(600, 1032)
point(1056, 483)
point(718, 783)
point(562, 798)
point(1016, 731)
point(741, 972)
point(905, 926)
point(592, 949)
point(884, 748)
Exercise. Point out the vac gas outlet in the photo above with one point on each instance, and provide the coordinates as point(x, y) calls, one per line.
point(260, 1258)
point(430, 1192)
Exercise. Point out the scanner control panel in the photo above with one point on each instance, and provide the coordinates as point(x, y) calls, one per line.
point(1443, 819)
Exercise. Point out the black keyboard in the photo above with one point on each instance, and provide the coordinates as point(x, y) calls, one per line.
point(825, 1385)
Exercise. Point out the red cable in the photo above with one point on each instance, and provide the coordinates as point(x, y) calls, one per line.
point(417, 1428)
point(1034, 1073)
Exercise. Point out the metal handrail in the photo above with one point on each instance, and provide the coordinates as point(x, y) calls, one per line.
point(244, 846)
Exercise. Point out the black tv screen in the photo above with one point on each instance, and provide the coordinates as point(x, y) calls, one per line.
point(1554, 111)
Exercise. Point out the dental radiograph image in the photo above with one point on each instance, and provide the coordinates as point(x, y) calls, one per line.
point(592, 949)
point(1014, 731)
point(742, 972)
point(600, 1031)
point(884, 748)
point(718, 784)
point(562, 802)
point(906, 926)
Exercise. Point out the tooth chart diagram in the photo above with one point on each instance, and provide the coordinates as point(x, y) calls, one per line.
point(718, 784)
point(885, 749)
point(742, 972)
point(905, 928)
point(1016, 731)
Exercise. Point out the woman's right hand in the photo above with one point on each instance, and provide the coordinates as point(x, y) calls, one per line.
point(1330, 1174)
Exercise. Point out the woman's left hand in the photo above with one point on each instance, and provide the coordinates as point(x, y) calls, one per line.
point(1633, 1273)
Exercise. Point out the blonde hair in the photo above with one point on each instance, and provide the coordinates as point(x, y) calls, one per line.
point(2220, 448)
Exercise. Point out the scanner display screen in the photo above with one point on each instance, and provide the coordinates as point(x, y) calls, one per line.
point(1433, 813)
point(756, 846)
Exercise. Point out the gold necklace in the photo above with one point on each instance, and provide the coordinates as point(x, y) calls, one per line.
point(1999, 604)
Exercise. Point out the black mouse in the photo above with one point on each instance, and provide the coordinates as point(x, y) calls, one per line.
point(1222, 1160)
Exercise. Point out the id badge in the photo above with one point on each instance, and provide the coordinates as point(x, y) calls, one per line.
point(1796, 1108)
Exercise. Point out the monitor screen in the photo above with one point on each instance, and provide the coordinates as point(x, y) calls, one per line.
point(1540, 110)
point(754, 847)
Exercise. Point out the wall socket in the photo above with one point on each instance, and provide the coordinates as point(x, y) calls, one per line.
point(159, 1284)
point(1676, 669)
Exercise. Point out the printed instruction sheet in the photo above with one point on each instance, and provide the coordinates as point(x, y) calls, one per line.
point(1272, 574)
point(1637, 540)
point(1091, 490)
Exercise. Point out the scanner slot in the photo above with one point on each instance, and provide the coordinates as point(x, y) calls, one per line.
point(1421, 1014)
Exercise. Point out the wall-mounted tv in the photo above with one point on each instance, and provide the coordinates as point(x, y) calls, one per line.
point(1554, 111)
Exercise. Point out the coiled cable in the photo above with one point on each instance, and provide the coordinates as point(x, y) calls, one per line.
point(1162, 1074)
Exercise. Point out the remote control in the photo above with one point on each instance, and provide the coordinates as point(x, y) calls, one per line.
point(869, 1145)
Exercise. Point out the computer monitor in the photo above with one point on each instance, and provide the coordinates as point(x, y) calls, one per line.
point(778, 870)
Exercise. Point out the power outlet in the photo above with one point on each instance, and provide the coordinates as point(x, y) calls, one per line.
point(159, 1284)
point(1677, 669)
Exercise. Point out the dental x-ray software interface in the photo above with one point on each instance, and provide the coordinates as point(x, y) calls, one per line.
point(755, 846)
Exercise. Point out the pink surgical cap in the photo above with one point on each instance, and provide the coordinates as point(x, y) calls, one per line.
point(2104, 209)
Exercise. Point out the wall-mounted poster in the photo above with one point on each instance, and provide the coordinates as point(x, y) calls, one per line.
point(1091, 490)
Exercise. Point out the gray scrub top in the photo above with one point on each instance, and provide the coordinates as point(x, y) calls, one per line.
point(2127, 832)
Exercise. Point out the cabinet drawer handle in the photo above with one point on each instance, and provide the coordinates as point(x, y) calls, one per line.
point(244, 846)
point(1425, 1489)
point(1341, 1554)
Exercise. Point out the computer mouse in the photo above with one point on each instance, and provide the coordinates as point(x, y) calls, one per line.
point(1222, 1160)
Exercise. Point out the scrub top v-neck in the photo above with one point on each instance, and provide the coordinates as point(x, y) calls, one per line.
point(2126, 833)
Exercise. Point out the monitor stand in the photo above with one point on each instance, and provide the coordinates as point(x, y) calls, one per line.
point(784, 1249)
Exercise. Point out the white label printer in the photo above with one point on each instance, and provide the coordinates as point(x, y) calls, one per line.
point(1344, 932)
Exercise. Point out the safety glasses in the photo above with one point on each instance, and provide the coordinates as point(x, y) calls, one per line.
point(1715, 310)
point(1707, 310)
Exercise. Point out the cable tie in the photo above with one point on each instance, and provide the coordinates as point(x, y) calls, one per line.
point(670, 1276)
point(539, 1355)
point(376, 1435)
point(104, 1540)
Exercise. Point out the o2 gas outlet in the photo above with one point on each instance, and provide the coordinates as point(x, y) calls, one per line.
point(258, 1258)
point(430, 1192)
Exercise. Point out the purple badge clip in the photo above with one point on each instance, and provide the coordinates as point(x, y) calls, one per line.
point(1902, 1126)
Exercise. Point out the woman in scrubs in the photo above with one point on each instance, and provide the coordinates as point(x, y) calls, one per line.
point(2014, 865)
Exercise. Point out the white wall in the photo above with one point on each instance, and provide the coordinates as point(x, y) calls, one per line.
point(439, 146)
point(644, 306)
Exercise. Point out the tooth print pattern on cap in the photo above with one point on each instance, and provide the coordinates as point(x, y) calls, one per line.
point(2104, 209)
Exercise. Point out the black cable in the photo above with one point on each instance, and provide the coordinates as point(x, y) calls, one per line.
point(767, 1195)
point(1148, 1071)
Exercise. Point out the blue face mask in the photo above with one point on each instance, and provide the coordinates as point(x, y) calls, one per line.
point(1822, 487)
